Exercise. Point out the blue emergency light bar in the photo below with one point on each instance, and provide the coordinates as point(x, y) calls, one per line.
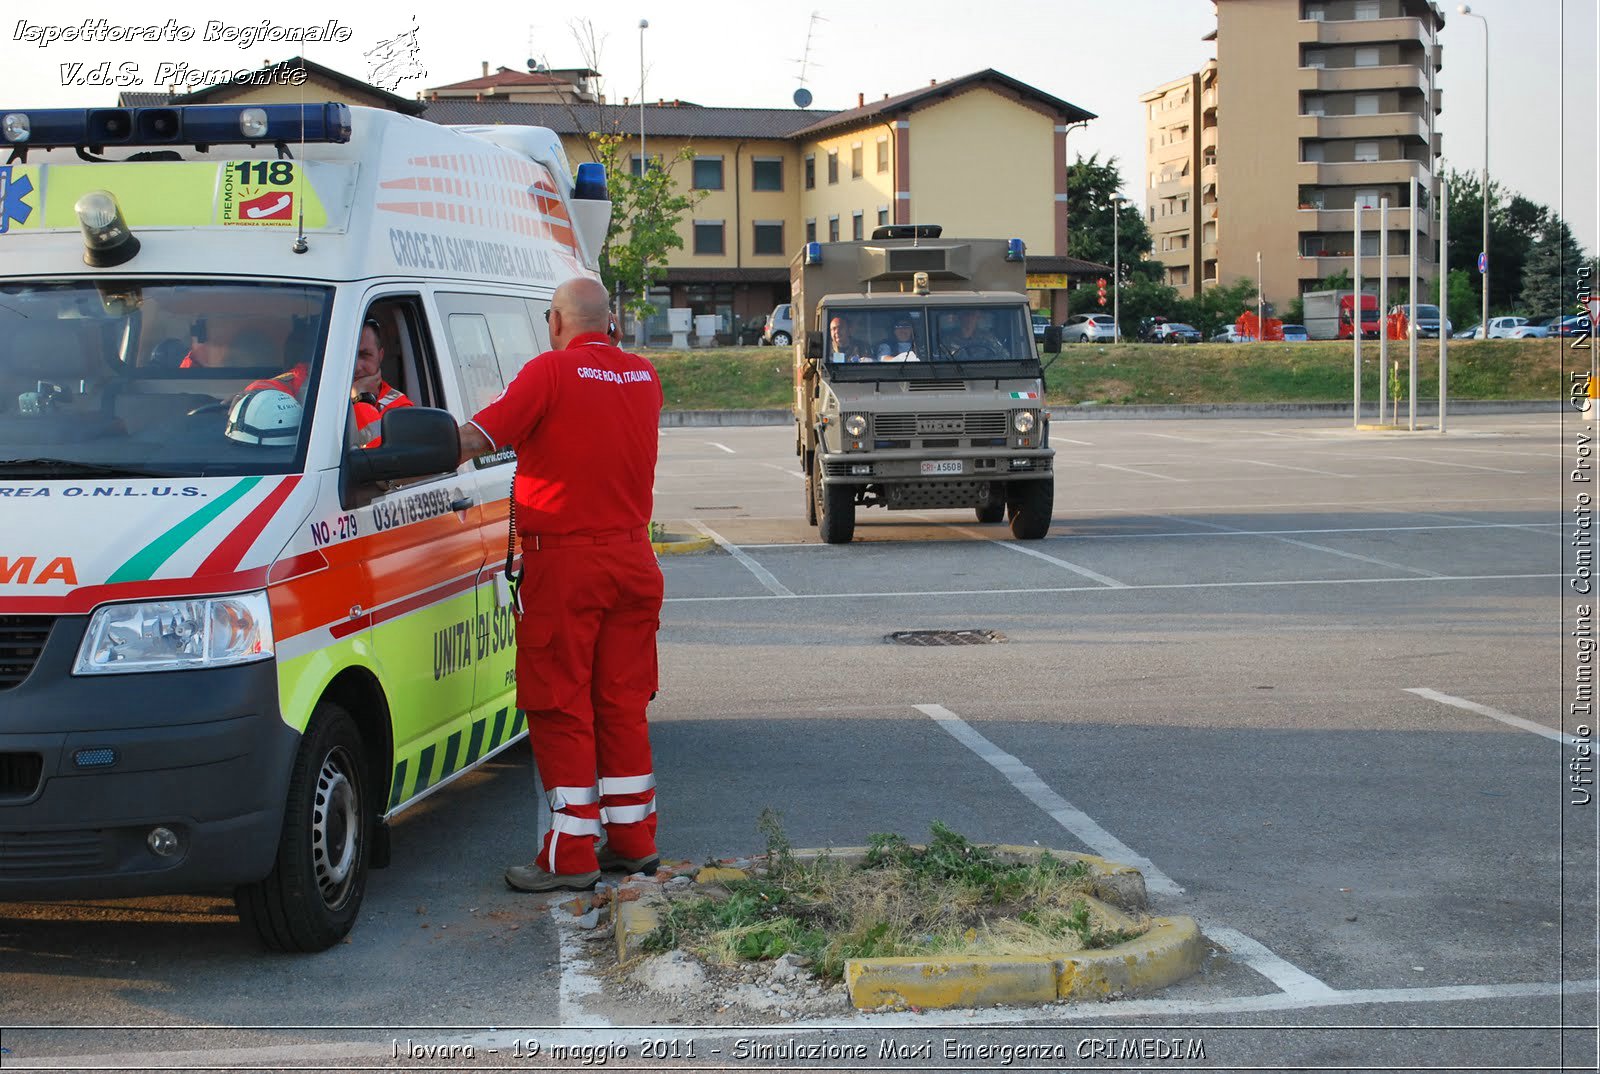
point(191, 124)
point(813, 254)
point(1015, 250)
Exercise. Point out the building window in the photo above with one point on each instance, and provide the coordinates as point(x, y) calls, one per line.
point(708, 237)
point(708, 173)
point(833, 165)
point(769, 236)
point(857, 226)
point(1366, 104)
point(811, 171)
point(1366, 10)
point(883, 216)
point(1313, 152)
point(1369, 243)
point(811, 229)
point(633, 163)
point(883, 154)
point(1317, 58)
point(1316, 12)
point(1315, 106)
point(1366, 199)
point(833, 229)
point(766, 173)
point(856, 167)
point(1366, 151)
point(1367, 57)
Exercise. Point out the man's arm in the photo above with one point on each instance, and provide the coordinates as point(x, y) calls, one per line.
point(473, 442)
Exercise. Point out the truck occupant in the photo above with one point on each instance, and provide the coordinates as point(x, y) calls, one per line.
point(901, 346)
point(583, 419)
point(845, 346)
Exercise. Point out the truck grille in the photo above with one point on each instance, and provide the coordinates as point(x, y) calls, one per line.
point(22, 639)
point(936, 385)
point(983, 423)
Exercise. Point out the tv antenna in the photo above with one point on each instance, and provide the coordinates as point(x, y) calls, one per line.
point(802, 96)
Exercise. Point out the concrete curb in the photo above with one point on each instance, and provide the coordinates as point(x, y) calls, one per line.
point(1172, 950)
point(675, 546)
point(678, 419)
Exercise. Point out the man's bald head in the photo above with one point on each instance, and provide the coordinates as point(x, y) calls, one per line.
point(582, 305)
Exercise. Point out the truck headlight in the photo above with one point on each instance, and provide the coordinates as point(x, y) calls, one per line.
point(1024, 421)
point(855, 424)
point(173, 635)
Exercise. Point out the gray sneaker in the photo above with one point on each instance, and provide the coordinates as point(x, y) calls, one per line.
point(610, 862)
point(532, 878)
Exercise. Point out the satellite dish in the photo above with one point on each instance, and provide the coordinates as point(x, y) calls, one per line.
point(802, 98)
point(533, 64)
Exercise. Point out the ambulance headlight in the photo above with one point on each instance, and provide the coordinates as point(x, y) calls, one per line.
point(176, 635)
point(1024, 421)
point(253, 123)
point(106, 238)
point(16, 126)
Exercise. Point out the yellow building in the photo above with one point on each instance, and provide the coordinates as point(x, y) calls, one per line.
point(1310, 108)
point(982, 155)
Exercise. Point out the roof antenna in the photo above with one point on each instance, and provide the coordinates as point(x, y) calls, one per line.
point(802, 96)
point(300, 245)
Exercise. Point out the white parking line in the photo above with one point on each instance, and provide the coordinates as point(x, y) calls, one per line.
point(1282, 466)
point(790, 470)
point(1054, 439)
point(724, 447)
point(1141, 473)
point(1063, 812)
point(1312, 547)
point(1015, 546)
point(1132, 587)
point(1427, 462)
point(1286, 975)
point(1493, 714)
point(763, 575)
point(1171, 436)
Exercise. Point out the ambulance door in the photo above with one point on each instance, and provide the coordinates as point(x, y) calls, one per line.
point(422, 564)
point(490, 337)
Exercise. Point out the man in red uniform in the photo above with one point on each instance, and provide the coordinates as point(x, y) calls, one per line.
point(583, 419)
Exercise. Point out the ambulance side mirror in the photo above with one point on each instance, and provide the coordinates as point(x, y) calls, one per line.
point(416, 441)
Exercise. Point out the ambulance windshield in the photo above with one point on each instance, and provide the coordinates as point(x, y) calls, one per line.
point(140, 376)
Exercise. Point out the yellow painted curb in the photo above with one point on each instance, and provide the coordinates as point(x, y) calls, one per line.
point(1171, 951)
point(681, 545)
point(632, 922)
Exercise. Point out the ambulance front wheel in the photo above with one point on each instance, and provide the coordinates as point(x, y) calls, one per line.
point(310, 899)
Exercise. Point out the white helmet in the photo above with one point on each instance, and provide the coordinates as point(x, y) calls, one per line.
point(265, 416)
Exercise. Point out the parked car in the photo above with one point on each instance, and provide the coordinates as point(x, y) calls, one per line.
point(1040, 323)
point(1229, 334)
point(1089, 328)
point(779, 327)
point(1177, 332)
point(1538, 328)
point(1470, 332)
point(1427, 319)
point(1499, 328)
point(1295, 333)
point(1576, 325)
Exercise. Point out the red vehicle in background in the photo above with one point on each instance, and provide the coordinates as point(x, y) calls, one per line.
point(1331, 315)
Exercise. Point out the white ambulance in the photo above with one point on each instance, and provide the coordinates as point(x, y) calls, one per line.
point(234, 641)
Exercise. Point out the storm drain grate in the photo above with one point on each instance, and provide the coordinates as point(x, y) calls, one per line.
point(946, 637)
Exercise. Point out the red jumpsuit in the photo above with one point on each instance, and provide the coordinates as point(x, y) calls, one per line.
point(584, 424)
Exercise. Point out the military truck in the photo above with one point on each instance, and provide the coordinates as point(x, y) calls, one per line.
point(917, 381)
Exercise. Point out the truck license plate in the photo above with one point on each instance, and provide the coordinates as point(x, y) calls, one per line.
point(942, 466)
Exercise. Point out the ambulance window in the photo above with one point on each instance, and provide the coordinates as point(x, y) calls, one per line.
point(473, 346)
point(407, 357)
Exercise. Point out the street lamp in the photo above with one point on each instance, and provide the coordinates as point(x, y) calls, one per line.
point(1483, 323)
point(1117, 201)
point(644, 161)
point(1261, 328)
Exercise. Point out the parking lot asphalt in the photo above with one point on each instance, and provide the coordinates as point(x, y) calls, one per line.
point(1308, 679)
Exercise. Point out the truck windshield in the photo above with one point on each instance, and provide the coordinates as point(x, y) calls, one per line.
point(139, 377)
point(927, 341)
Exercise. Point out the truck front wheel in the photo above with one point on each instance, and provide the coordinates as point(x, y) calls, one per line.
point(1032, 503)
point(835, 507)
point(310, 899)
point(811, 493)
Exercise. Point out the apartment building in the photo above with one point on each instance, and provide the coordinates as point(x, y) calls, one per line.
point(1310, 108)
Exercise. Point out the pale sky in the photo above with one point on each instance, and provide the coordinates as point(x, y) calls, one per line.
point(1099, 55)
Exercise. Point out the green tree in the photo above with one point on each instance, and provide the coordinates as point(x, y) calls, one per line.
point(1514, 221)
point(1091, 185)
point(1216, 306)
point(645, 212)
point(1549, 277)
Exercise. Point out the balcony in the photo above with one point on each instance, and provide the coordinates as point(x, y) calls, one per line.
point(1401, 76)
point(1208, 175)
point(1438, 101)
point(1322, 267)
point(1362, 173)
point(1208, 138)
point(1337, 220)
point(1364, 32)
point(1177, 187)
point(1438, 57)
point(1379, 125)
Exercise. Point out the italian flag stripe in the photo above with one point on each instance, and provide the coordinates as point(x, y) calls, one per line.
point(145, 562)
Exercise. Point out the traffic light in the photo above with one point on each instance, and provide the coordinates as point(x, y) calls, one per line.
point(1101, 283)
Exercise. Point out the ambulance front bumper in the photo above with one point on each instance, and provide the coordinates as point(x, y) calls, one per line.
point(141, 784)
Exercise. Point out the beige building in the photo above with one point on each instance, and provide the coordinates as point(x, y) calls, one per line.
point(1309, 108)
